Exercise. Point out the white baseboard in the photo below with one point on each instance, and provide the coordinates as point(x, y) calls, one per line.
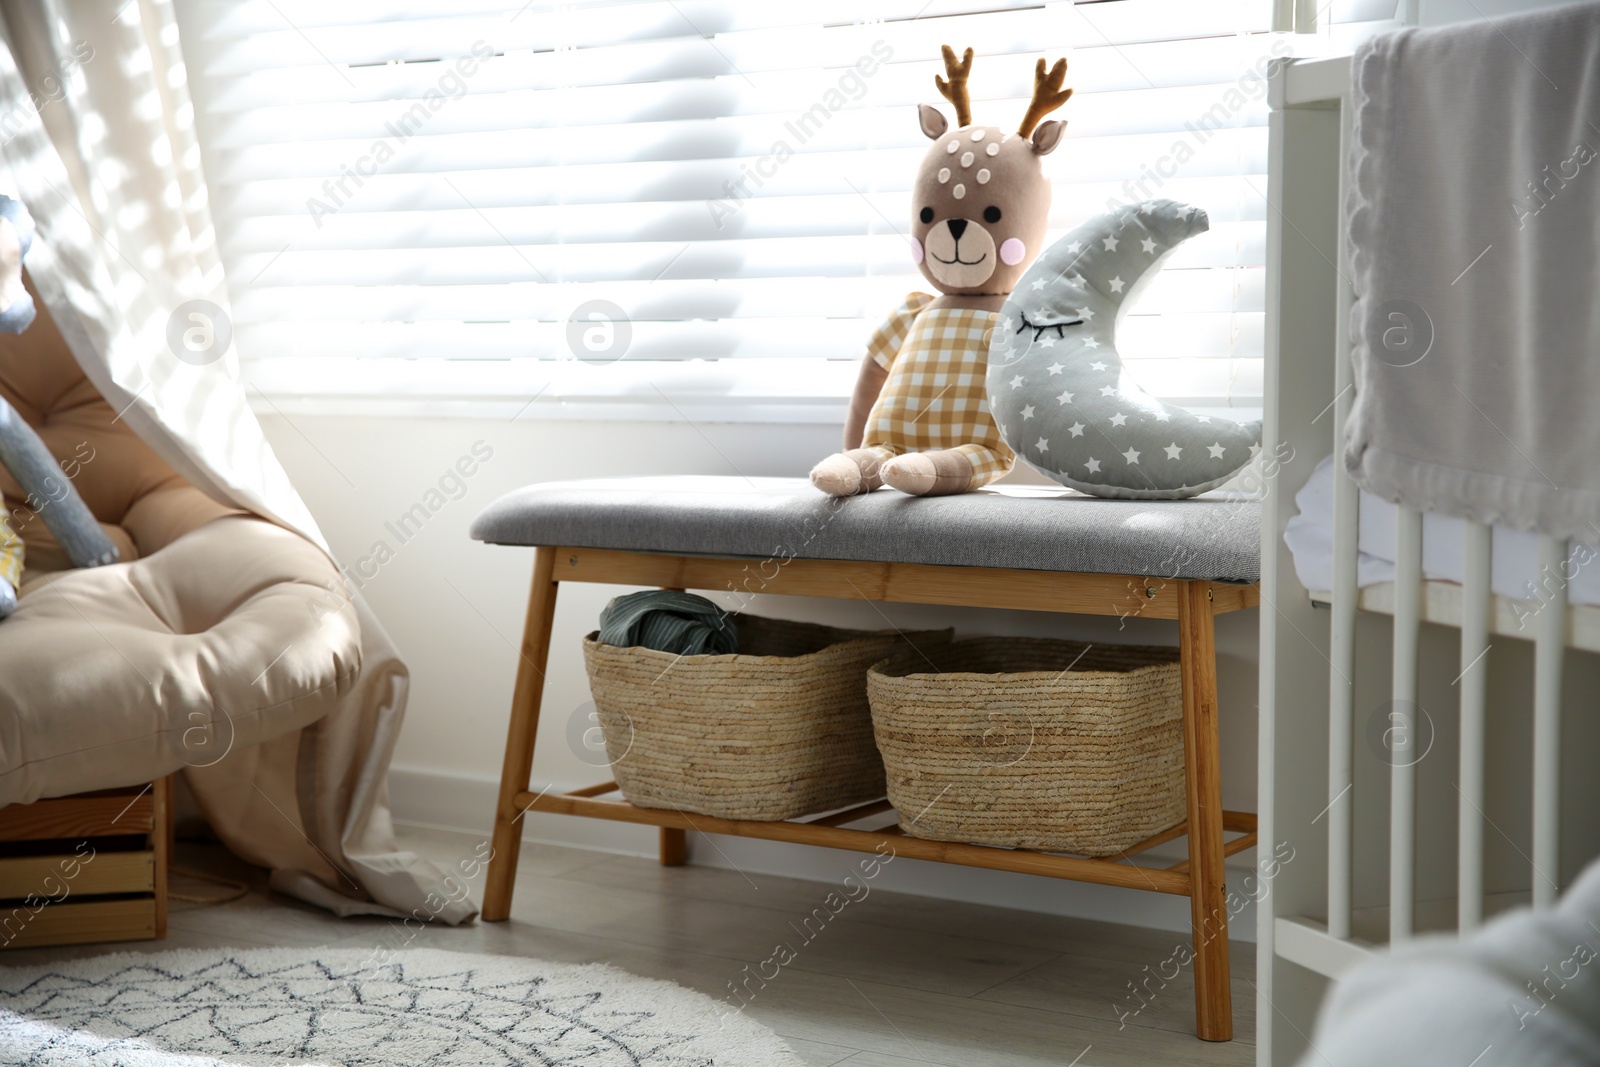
point(466, 803)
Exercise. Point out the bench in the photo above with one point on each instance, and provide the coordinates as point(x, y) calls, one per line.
point(1004, 547)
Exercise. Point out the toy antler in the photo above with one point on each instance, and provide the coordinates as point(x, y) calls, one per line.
point(1047, 95)
point(955, 90)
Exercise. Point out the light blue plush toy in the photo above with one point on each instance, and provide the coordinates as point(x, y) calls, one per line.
point(48, 491)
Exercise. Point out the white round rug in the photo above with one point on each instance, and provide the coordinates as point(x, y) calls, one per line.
point(340, 1008)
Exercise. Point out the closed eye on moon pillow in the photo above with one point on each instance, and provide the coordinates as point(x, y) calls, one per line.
point(1058, 389)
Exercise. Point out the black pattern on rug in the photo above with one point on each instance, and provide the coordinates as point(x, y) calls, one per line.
point(268, 1007)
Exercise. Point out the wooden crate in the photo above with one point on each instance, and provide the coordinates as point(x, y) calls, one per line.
point(86, 868)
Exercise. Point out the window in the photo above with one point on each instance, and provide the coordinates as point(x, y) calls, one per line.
point(480, 198)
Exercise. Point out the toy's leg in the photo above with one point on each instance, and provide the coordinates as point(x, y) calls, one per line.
point(51, 494)
point(987, 464)
point(852, 472)
point(945, 471)
point(936, 473)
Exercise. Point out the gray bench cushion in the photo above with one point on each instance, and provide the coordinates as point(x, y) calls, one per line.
point(1048, 529)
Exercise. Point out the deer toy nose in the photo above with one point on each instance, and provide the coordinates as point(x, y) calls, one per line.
point(957, 227)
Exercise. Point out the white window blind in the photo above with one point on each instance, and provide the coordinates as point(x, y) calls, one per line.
point(418, 180)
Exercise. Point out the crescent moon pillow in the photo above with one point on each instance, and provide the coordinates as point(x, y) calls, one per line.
point(1057, 387)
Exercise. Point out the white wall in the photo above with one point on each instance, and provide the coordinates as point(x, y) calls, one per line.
point(455, 609)
point(1443, 12)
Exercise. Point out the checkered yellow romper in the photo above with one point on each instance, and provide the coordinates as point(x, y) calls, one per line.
point(10, 552)
point(935, 396)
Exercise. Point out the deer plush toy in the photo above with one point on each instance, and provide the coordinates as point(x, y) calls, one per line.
point(919, 420)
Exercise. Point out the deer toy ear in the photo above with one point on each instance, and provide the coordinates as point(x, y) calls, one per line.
point(933, 123)
point(1047, 136)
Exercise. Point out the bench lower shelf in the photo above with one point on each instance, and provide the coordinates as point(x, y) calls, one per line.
point(1192, 603)
point(825, 831)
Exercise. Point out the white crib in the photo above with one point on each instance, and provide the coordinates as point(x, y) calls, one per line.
point(1330, 801)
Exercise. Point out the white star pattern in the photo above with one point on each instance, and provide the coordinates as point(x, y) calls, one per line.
point(1173, 451)
point(1202, 418)
point(1039, 283)
point(1097, 365)
point(1048, 342)
point(1054, 368)
point(1027, 412)
point(1107, 390)
point(1075, 248)
point(1132, 456)
point(1016, 382)
point(1065, 398)
point(1086, 313)
point(1116, 284)
point(1076, 429)
point(1147, 207)
point(1110, 243)
point(1162, 416)
point(1042, 445)
point(1093, 466)
point(1119, 419)
point(1148, 244)
point(1090, 342)
point(1216, 450)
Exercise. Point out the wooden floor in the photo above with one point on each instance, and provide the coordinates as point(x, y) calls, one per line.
point(891, 981)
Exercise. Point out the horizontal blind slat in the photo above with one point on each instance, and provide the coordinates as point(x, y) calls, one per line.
point(541, 116)
point(848, 215)
point(1224, 151)
point(574, 54)
point(1145, 338)
point(220, 20)
point(1216, 290)
point(1089, 158)
point(1225, 246)
point(1229, 196)
point(1095, 67)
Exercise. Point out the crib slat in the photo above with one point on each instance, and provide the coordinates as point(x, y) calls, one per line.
point(1473, 682)
point(1342, 635)
point(1548, 649)
point(1342, 663)
point(1403, 726)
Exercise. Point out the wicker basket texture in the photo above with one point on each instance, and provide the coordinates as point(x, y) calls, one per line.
point(1033, 743)
point(779, 730)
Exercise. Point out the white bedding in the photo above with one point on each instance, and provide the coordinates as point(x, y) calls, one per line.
point(1514, 565)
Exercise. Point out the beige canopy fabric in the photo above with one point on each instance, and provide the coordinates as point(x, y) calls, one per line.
point(97, 138)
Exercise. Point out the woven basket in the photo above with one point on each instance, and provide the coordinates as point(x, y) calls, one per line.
point(779, 730)
point(1028, 743)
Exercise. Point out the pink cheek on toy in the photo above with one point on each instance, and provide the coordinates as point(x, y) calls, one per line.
point(1012, 251)
point(916, 251)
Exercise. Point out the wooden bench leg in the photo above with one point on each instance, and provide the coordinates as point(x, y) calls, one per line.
point(1208, 908)
point(518, 766)
point(161, 847)
point(674, 847)
point(674, 842)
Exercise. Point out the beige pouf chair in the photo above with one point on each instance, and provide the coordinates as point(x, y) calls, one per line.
point(217, 631)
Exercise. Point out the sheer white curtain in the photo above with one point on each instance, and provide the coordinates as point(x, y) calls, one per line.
point(97, 138)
